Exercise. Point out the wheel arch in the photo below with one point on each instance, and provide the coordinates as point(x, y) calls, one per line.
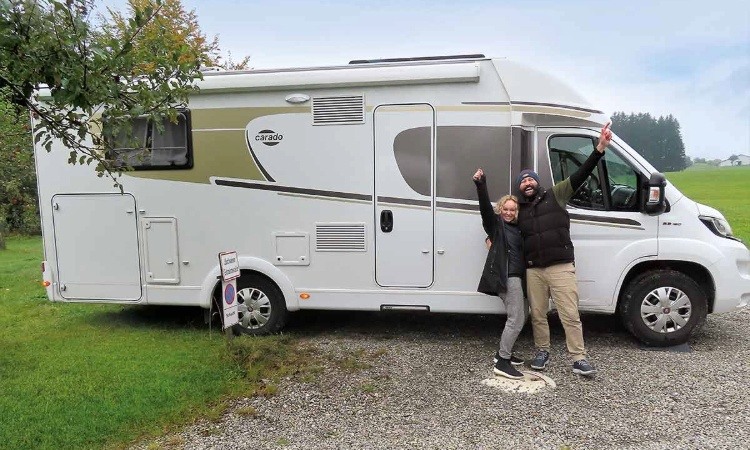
point(697, 272)
point(248, 265)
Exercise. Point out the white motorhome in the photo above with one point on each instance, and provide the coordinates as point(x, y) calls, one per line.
point(349, 188)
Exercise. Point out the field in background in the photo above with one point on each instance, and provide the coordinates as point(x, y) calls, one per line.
point(724, 188)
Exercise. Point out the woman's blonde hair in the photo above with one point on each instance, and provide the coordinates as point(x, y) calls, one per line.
point(504, 199)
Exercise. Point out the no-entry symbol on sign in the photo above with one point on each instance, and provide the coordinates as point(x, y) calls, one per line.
point(230, 293)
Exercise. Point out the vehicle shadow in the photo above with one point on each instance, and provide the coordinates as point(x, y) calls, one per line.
point(601, 329)
point(385, 325)
point(162, 317)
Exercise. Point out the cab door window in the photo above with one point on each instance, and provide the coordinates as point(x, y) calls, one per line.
point(612, 185)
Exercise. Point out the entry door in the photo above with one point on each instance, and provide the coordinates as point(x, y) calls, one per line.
point(404, 194)
point(96, 241)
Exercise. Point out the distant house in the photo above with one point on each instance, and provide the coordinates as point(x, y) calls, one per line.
point(742, 160)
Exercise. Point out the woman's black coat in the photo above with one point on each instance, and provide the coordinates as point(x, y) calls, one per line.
point(494, 279)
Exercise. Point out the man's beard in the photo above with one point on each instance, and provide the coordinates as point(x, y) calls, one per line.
point(533, 193)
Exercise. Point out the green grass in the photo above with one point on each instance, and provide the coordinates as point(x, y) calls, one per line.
point(724, 188)
point(101, 376)
point(701, 166)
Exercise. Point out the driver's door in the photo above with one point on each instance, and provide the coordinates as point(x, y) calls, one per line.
point(608, 230)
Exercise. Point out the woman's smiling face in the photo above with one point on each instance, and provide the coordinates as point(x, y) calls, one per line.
point(509, 211)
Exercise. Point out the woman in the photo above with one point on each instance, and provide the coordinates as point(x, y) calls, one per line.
point(503, 271)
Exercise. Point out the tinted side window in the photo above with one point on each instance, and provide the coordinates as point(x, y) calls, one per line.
point(460, 151)
point(166, 146)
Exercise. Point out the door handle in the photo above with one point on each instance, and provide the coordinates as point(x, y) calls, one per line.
point(386, 220)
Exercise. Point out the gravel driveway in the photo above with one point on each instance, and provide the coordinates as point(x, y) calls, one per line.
point(418, 384)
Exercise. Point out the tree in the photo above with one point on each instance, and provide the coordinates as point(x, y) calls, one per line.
point(92, 72)
point(19, 210)
point(176, 28)
point(734, 158)
point(172, 27)
point(657, 140)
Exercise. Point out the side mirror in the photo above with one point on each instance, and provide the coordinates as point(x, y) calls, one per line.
point(655, 201)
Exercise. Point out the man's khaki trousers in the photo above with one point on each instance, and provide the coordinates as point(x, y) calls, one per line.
point(558, 282)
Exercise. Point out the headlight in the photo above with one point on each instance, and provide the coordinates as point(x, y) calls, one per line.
point(719, 227)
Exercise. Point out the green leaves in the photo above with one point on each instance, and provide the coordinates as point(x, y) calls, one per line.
point(67, 68)
point(18, 203)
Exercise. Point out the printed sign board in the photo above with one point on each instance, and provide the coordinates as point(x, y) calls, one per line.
point(229, 265)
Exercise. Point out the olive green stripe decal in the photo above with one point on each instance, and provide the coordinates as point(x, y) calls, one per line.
point(223, 118)
point(215, 154)
point(223, 152)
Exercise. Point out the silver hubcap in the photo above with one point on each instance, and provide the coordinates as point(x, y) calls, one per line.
point(254, 308)
point(666, 309)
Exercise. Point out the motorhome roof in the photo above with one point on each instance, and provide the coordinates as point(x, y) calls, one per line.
point(371, 74)
point(523, 84)
point(418, 58)
point(356, 64)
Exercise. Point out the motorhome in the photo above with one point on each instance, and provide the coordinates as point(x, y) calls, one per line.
point(350, 188)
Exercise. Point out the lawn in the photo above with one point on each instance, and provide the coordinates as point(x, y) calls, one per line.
point(724, 188)
point(99, 376)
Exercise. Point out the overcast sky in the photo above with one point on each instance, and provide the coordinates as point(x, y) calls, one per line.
point(687, 58)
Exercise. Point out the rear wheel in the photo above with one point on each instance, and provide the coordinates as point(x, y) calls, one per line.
point(260, 305)
point(663, 308)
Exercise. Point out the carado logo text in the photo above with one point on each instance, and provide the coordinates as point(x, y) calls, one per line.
point(269, 137)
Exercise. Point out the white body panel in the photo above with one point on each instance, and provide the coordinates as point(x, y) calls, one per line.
point(305, 209)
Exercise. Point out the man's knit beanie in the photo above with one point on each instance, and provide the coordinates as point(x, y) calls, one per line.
point(524, 174)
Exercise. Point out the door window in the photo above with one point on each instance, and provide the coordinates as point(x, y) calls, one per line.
point(612, 185)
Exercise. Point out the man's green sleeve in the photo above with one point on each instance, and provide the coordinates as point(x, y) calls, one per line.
point(563, 192)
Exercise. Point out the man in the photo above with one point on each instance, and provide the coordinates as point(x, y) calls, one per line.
point(545, 227)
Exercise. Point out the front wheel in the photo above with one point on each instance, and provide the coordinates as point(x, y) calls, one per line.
point(663, 308)
point(260, 305)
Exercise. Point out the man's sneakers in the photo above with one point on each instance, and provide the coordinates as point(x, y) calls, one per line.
point(540, 361)
point(504, 368)
point(583, 367)
point(580, 367)
point(514, 360)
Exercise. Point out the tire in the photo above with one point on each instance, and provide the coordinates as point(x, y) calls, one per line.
point(662, 308)
point(261, 306)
